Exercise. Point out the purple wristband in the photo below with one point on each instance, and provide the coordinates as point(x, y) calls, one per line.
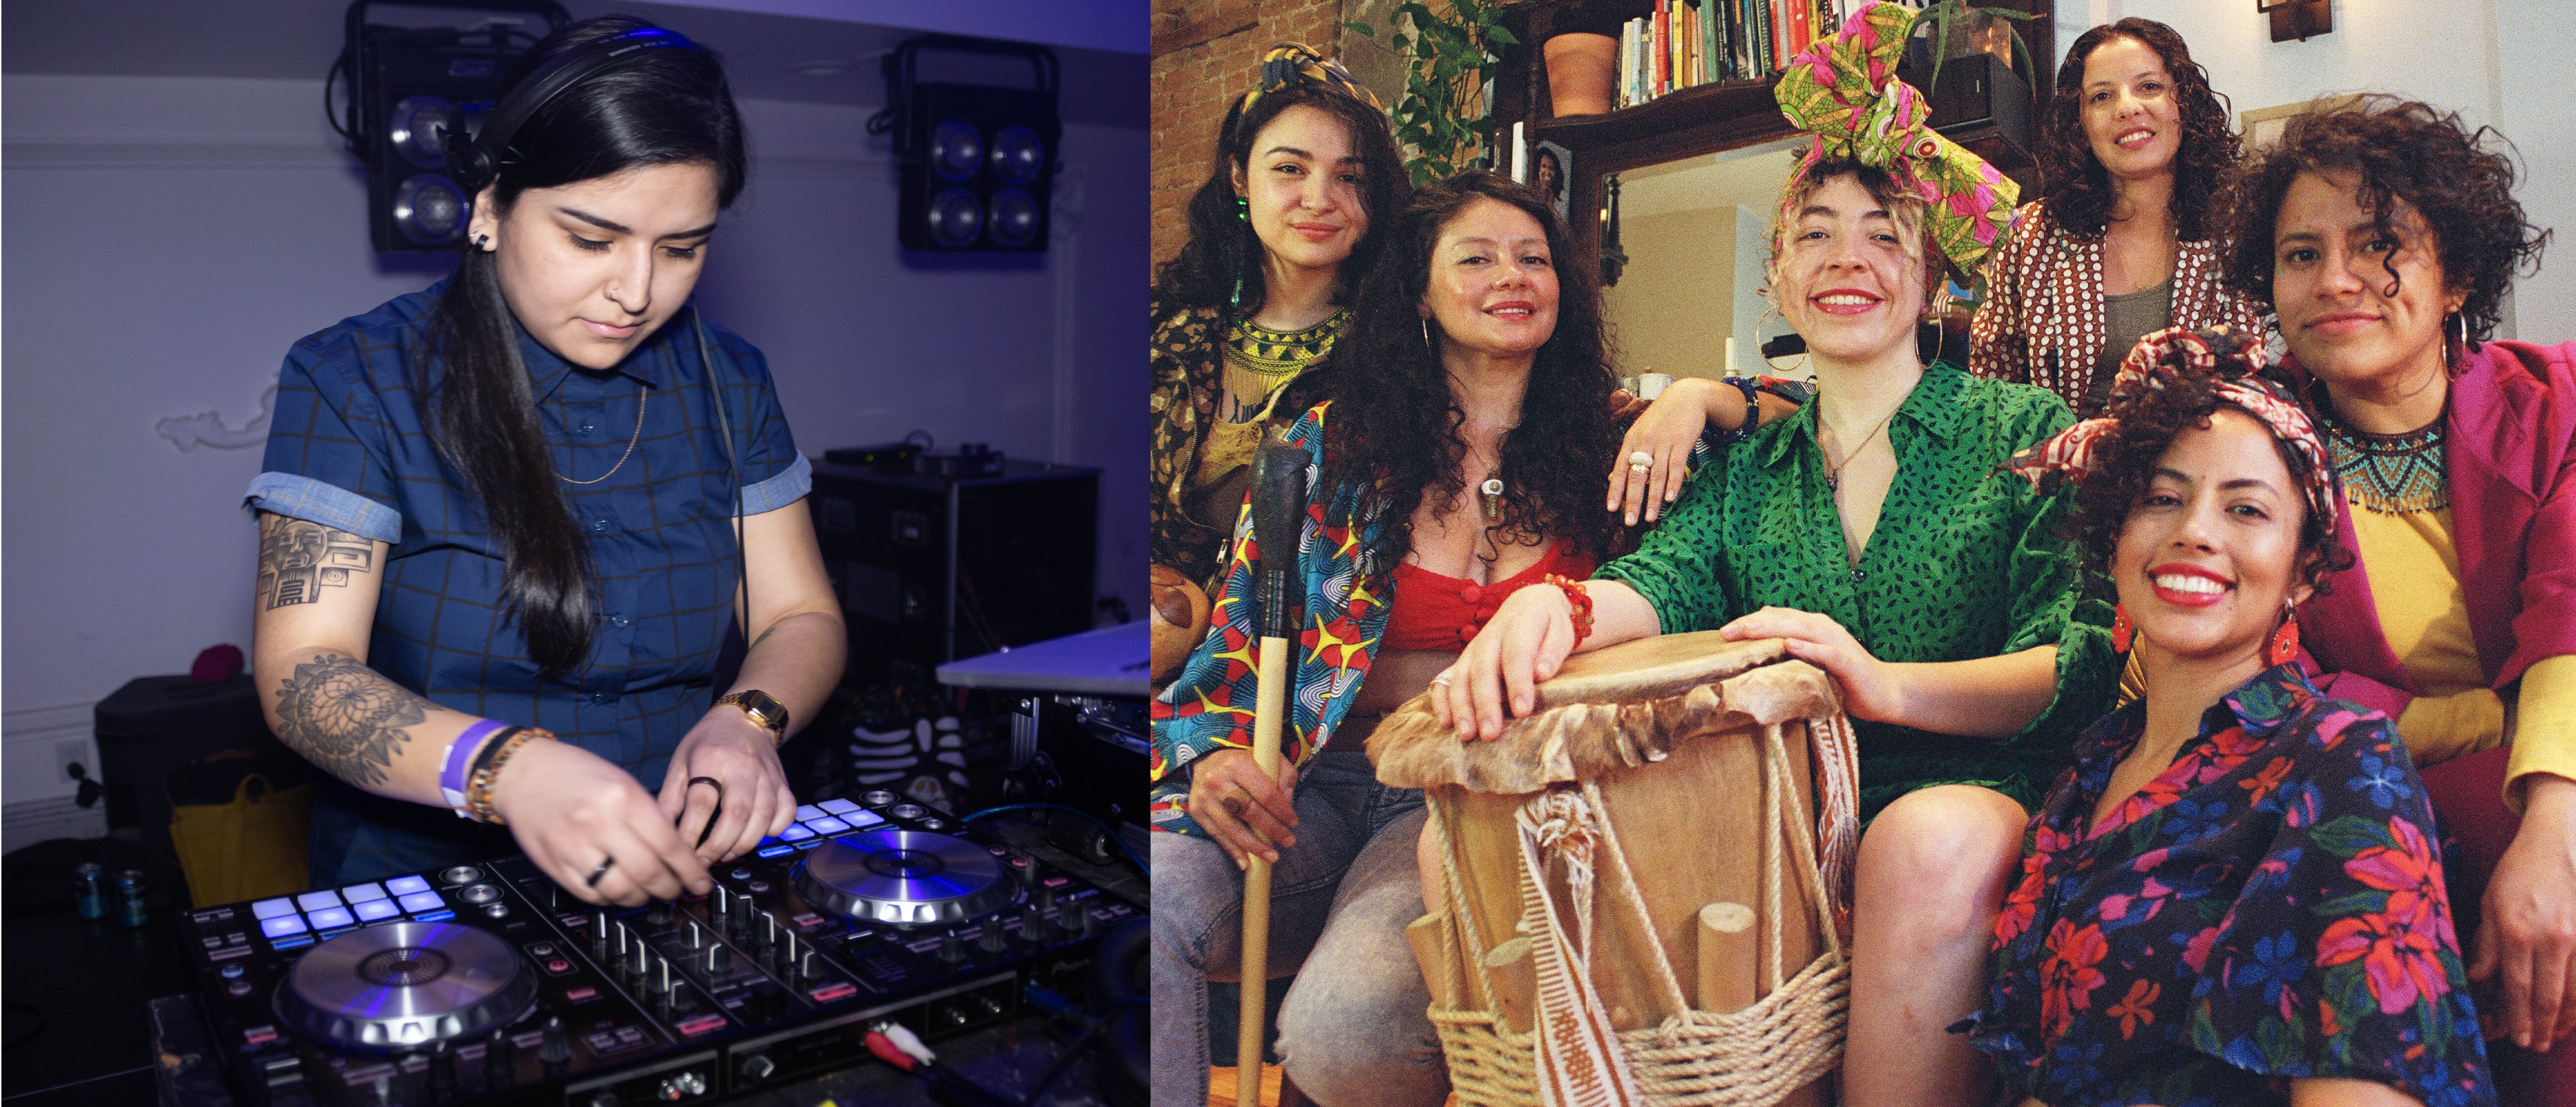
point(460, 753)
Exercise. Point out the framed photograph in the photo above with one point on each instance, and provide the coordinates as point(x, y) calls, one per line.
point(1551, 171)
point(2262, 126)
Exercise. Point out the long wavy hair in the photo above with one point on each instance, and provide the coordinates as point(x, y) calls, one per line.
point(1396, 430)
point(2078, 189)
point(659, 107)
point(1222, 249)
point(2404, 153)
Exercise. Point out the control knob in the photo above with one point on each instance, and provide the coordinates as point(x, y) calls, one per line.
point(952, 949)
point(1032, 924)
point(442, 1072)
point(756, 1067)
point(558, 1044)
point(991, 940)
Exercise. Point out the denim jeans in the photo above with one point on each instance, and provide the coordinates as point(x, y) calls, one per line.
point(1353, 1031)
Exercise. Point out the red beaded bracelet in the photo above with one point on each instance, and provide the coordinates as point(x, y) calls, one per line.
point(1582, 601)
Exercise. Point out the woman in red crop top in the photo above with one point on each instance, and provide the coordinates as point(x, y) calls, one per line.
point(1466, 453)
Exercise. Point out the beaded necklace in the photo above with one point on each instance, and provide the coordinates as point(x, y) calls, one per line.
point(2391, 474)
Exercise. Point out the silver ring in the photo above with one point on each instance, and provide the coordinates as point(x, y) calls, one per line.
point(1640, 459)
point(1441, 681)
point(1637, 467)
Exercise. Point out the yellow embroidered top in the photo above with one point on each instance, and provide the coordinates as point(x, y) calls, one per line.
point(2415, 583)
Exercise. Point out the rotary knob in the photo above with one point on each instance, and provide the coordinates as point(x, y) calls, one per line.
point(558, 1044)
point(1032, 924)
point(952, 949)
point(755, 1068)
point(990, 941)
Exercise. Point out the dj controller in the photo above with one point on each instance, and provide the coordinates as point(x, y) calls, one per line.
point(485, 983)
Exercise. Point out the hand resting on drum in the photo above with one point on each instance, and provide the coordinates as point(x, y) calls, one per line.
point(1529, 638)
point(1987, 697)
point(1526, 642)
point(1227, 792)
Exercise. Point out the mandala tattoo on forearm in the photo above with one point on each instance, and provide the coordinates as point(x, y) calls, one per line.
point(298, 559)
point(346, 717)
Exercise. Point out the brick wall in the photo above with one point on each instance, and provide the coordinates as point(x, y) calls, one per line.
point(1205, 55)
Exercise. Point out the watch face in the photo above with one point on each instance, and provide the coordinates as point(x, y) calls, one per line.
point(763, 708)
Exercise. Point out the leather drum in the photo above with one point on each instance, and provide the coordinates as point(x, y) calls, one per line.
point(1637, 892)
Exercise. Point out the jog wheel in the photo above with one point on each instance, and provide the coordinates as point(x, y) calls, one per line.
point(406, 985)
point(902, 877)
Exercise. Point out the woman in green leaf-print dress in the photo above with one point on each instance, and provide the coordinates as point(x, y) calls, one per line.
point(1873, 532)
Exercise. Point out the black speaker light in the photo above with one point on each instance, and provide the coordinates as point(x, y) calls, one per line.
point(407, 89)
point(977, 161)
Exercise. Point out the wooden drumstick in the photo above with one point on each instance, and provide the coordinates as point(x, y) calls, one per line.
point(1278, 518)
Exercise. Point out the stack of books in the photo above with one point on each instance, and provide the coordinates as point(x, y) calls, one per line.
point(1687, 43)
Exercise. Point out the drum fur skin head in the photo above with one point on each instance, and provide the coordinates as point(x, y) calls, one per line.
point(1611, 709)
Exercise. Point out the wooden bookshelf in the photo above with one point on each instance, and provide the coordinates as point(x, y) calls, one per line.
point(1712, 118)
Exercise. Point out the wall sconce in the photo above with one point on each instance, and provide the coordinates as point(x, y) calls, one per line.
point(2297, 18)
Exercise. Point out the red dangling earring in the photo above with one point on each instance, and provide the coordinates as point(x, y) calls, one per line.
point(2285, 641)
point(2121, 630)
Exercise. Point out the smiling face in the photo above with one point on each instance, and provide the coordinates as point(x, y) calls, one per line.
point(593, 268)
point(2211, 548)
point(1303, 185)
point(2131, 118)
point(2330, 284)
point(1492, 287)
point(1851, 279)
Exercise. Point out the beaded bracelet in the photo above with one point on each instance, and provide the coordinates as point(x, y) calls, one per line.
point(456, 766)
point(478, 794)
point(1581, 599)
point(1752, 411)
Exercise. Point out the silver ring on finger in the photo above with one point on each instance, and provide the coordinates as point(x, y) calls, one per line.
point(605, 863)
point(1441, 681)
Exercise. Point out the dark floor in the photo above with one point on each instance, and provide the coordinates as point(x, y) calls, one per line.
point(74, 1017)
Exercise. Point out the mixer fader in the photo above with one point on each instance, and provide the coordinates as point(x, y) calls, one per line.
point(486, 983)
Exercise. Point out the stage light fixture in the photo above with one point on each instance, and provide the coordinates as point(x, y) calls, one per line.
point(404, 87)
point(977, 161)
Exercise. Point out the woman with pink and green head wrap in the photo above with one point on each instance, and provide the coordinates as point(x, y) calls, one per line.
point(1873, 531)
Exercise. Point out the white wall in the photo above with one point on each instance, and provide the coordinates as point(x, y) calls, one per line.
point(2496, 62)
point(168, 238)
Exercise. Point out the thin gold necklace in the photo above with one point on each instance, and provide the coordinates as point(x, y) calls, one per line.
point(1834, 469)
point(643, 393)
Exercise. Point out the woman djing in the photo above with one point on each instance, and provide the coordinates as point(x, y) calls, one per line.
point(526, 498)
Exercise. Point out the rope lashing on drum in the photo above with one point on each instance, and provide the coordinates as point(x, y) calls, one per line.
point(1580, 1062)
point(1785, 1041)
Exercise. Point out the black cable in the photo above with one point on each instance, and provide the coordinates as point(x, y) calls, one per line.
point(21, 1032)
point(338, 125)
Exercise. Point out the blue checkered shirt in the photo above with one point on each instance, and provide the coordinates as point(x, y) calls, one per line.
point(348, 449)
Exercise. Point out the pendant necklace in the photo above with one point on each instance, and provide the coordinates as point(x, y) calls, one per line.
point(1834, 469)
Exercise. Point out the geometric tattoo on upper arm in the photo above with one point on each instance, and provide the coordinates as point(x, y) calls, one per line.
point(346, 718)
point(297, 559)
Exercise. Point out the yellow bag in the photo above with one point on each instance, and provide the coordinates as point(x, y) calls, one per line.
point(252, 848)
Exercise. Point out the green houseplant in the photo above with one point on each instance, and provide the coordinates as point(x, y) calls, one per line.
point(1449, 57)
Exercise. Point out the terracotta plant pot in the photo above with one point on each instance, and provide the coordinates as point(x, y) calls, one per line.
point(1580, 70)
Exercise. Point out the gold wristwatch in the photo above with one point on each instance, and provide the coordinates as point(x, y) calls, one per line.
point(763, 709)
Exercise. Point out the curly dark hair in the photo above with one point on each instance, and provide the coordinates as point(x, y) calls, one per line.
point(2149, 418)
point(2078, 189)
point(1222, 249)
point(1395, 428)
point(2407, 154)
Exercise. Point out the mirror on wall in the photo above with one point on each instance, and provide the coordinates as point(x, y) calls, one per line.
point(1696, 232)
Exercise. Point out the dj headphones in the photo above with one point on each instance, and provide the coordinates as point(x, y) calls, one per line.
point(487, 128)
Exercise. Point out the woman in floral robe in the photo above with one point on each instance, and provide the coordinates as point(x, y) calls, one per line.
point(2235, 894)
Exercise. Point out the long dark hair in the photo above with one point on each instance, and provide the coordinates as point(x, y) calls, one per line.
point(2079, 190)
point(1222, 249)
point(658, 107)
point(1394, 427)
point(2404, 152)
